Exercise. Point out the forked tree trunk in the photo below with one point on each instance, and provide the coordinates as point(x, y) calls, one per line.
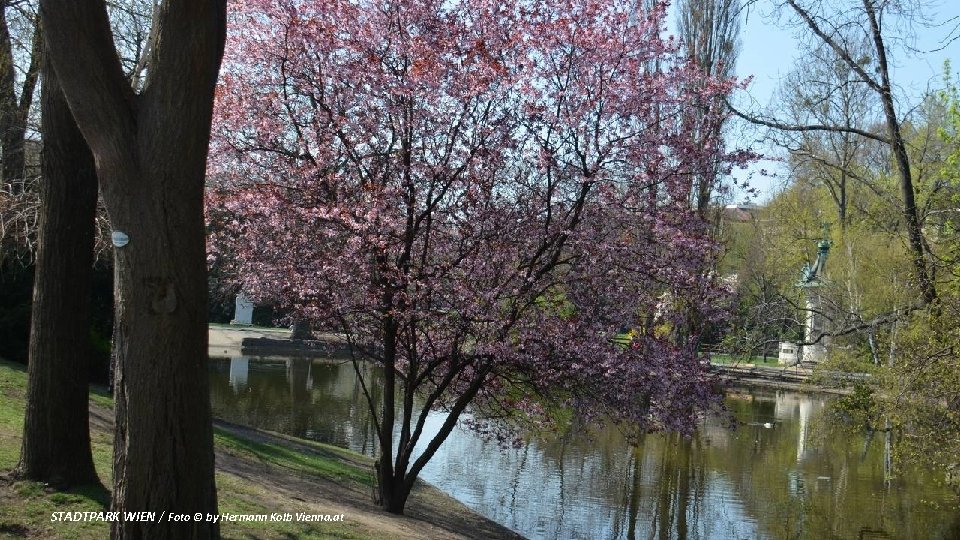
point(151, 154)
point(56, 436)
point(393, 494)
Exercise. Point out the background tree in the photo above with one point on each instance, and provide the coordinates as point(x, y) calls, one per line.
point(150, 148)
point(826, 91)
point(14, 109)
point(19, 61)
point(919, 396)
point(856, 36)
point(710, 32)
point(481, 197)
point(56, 436)
point(869, 300)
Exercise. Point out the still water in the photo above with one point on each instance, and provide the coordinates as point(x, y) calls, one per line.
point(782, 474)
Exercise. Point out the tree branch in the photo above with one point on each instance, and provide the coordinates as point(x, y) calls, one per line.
point(842, 53)
point(775, 124)
point(78, 38)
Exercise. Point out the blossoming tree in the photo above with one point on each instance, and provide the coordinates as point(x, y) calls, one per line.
point(483, 197)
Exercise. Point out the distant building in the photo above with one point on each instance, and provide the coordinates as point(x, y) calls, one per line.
point(739, 212)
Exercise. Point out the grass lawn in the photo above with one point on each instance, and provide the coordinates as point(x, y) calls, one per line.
point(26, 507)
point(730, 360)
point(267, 329)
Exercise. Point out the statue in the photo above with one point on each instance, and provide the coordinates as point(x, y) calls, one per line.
point(811, 278)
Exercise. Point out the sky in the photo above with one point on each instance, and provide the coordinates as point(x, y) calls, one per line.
point(768, 52)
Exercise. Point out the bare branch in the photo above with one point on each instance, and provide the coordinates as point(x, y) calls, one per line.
point(776, 124)
point(842, 53)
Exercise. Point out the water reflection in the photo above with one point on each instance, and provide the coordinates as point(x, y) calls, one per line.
point(239, 372)
point(776, 476)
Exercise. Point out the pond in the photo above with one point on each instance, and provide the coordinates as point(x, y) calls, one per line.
point(780, 474)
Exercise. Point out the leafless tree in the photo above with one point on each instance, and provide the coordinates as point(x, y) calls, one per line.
point(859, 36)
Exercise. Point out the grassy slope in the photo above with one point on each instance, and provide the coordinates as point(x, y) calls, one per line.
point(25, 507)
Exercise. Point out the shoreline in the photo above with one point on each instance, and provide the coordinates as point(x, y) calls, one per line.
point(258, 473)
point(275, 343)
point(785, 378)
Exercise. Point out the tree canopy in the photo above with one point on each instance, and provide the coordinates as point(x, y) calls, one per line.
point(483, 197)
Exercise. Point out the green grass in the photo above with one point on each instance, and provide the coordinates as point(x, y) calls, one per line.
point(250, 327)
point(732, 360)
point(26, 507)
point(34, 504)
point(13, 380)
point(323, 461)
point(101, 396)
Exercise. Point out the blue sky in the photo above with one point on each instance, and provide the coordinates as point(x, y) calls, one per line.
point(769, 51)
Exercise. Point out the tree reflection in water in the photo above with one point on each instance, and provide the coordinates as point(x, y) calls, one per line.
point(781, 474)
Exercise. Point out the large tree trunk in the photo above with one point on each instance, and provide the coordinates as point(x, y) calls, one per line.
point(163, 454)
point(151, 154)
point(56, 436)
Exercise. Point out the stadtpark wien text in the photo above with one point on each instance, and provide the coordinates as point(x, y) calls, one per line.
point(179, 517)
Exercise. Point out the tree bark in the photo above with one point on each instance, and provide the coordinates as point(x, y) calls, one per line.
point(56, 436)
point(151, 151)
point(392, 498)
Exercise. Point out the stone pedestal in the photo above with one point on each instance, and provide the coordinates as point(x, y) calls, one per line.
point(788, 353)
point(813, 331)
point(243, 315)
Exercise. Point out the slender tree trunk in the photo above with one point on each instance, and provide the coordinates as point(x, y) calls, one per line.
point(392, 496)
point(902, 159)
point(56, 436)
point(13, 113)
point(151, 151)
point(8, 105)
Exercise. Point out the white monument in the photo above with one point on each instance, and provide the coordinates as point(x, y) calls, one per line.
point(243, 315)
point(788, 354)
point(815, 339)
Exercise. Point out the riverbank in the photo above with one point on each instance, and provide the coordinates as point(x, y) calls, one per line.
point(233, 341)
point(794, 379)
point(258, 474)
